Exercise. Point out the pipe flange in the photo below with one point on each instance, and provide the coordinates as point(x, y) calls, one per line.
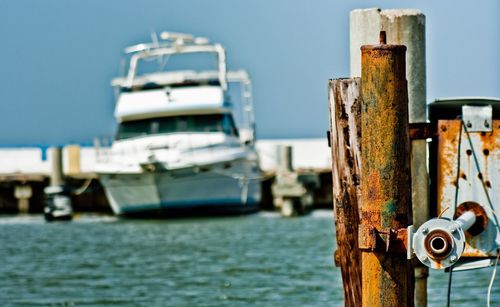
point(439, 243)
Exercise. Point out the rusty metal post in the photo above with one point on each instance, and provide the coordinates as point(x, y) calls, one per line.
point(387, 276)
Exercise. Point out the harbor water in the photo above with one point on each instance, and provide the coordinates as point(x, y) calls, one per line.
point(255, 260)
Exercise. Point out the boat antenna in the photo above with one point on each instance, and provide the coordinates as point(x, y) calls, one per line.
point(154, 39)
point(155, 43)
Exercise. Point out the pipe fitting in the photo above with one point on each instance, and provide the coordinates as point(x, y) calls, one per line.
point(439, 243)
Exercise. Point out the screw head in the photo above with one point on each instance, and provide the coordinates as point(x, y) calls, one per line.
point(425, 230)
point(424, 259)
point(453, 258)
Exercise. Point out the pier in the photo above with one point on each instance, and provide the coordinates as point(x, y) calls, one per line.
point(23, 179)
point(28, 172)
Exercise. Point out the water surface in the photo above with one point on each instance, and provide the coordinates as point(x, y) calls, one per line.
point(254, 260)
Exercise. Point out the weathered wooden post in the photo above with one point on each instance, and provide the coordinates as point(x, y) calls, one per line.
point(345, 116)
point(387, 276)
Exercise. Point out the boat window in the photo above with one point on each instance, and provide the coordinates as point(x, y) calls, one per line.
point(178, 124)
point(133, 129)
point(155, 126)
point(201, 61)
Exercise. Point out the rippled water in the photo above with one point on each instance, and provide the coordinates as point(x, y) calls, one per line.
point(256, 260)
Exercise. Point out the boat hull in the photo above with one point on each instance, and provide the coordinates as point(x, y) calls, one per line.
point(214, 188)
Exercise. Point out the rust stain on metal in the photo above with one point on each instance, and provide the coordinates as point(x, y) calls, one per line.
point(385, 175)
point(449, 131)
point(438, 244)
point(470, 252)
point(419, 131)
point(481, 218)
point(383, 240)
point(402, 238)
point(471, 196)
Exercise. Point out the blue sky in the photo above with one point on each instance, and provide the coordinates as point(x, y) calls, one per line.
point(58, 57)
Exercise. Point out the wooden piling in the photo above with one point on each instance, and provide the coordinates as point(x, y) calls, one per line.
point(387, 276)
point(74, 159)
point(343, 97)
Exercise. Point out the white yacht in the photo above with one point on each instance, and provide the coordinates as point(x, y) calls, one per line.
point(182, 143)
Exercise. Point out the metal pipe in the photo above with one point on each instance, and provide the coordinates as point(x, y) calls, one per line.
point(439, 242)
point(387, 276)
point(466, 220)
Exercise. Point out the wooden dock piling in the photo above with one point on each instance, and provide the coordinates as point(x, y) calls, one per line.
point(345, 134)
point(387, 276)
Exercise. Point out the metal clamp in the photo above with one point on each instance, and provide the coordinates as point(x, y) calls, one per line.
point(478, 118)
point(386, 240)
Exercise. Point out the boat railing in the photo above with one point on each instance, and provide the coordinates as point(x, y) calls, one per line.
point(175, 43)
point(102, 148)
point(105, 153)
point(248, 126)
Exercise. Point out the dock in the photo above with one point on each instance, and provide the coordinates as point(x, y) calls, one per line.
point(26, 171)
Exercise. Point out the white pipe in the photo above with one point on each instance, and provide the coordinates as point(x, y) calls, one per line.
point(466, 220)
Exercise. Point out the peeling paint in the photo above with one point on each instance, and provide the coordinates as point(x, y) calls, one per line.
point(486, 147)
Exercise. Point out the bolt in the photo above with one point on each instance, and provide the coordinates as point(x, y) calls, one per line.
point(469, 124)
point(425, 230)
point(453, 258)
point(424, 259)
point(453, 229)
point(486, 124)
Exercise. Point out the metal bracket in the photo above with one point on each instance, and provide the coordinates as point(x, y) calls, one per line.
point(387, 240)
point(468, 264)
point(478, 118)
point(409, 241)
point(421, 131)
